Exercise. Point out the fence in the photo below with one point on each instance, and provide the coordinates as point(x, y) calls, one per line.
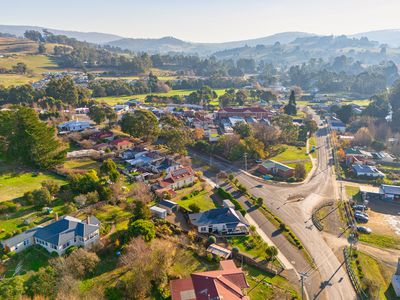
point(353, 278)
point(317, 222)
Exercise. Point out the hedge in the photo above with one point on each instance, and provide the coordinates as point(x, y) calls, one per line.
point(226, 195)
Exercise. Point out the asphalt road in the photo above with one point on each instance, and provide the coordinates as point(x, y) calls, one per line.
point(329, 280)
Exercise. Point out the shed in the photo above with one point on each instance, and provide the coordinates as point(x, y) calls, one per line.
point(228, 203)
point(168, 205)
point(219, 251)
point(158, 212)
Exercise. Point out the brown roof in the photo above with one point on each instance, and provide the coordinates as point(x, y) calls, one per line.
point(121, 141)
point(182, 289)
point(227, 283)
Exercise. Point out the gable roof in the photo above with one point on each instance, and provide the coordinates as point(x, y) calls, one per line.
point(227, 283)
point(217, 216)
point(366, 169)
point(63, 230)
point(390, 189)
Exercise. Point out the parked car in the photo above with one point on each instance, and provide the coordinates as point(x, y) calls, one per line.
point(358, 212)
point(361, 218)
point(259, 161)
point(359, 207)
point(364, 229)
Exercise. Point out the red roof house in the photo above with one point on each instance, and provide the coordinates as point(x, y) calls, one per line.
point(121, 144)
point(226, 283)
point(178, 178)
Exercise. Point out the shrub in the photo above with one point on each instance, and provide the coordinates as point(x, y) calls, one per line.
point(212, 239)
point(194, 208)
point(282, 226)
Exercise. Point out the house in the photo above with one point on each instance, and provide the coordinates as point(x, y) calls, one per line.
point(396, 280)
point(165, 192)
point(168, 205)
point(390, 192)
point(244, 112)
point(367, 171)
point(275, 168)
point(337, 125)
point(355, 155)
point(57, 236)
point(121, 108)
point(158, 212)
point(178, 178)
point(74, 126)
point(121, 144)
point(102, 136)
point(220, 221)
point(383, 156)
point(228, 283)
point(219, 251)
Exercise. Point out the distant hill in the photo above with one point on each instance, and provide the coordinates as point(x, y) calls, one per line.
point(388, 36)
point(171, 44)
point(91, 37)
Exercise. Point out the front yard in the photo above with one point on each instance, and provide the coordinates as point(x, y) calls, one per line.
point(292, 155)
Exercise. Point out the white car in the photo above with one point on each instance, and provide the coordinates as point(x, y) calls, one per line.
point(364, 229)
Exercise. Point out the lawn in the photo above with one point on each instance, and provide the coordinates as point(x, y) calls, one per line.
point(17, 79)
point(379, 240)
point(9, 223)
point(241, 243)
point(14, 185)
point(82, 164)
point(376, 272)
point(313, 142)
point(264, 285)
point(31, 259)
point(292, 155)
point(203, 200)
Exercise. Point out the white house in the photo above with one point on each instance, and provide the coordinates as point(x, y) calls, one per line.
point(74, 126)
point(178, 178)
point(224, 221)
point(57, 236)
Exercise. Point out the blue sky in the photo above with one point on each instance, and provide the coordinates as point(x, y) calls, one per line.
point(204, 20)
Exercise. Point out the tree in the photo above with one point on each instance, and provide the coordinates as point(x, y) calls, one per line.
point(43, 283)
point(198, 133)
point(289, 132)
point(52, 186)
point(97, 114)
point(141, 211)
point(11, 288)
point(290, 108)
point(41, 197)
point(194, 208)
point(34, 35)
point(41, 48)
point(311, 126)
point(271, 252)
point(345, 113)
point(141, 124)
point(260, 201)
point(141, 192)
point(20, 68)
point(81, 263)
point(243, 129)
point(144, 228)
point(109, 168)
point(300, 171)
point(29, 140)
point(362, 137)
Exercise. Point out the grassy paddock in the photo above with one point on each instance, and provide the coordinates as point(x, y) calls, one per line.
point(379, 240)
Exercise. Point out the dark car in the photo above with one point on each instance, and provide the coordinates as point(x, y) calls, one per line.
point(364, 229)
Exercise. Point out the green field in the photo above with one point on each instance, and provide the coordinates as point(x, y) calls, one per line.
point(15, 184)
point(37, 64)
point(379, 240)
point(113, 100)
point(291, 154)
point(259, 246)
point(352, 190)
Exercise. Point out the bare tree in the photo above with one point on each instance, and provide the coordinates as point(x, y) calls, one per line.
point(141, 192)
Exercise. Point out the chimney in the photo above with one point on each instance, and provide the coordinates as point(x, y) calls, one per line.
point(56, 216)
point(88, 220)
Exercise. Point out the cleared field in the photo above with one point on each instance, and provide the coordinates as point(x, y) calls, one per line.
point(292, 155)
point(82, 164)
point(113, 100)
point(16, 79)
point(12, 45)
point(14, 184)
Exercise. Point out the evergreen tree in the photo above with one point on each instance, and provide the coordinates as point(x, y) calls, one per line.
point(290, 108)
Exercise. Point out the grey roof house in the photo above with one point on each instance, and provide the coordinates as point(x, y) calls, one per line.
point(57, 236)
point(224, 221)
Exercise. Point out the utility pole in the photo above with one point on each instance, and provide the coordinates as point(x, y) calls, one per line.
point(302, 276)
point(245, 161)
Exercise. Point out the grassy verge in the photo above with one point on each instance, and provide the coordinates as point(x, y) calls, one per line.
point(351, 190)
point(313, 143)
point(374, 276)
point(382, 241)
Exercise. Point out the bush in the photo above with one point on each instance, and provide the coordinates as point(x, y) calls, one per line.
point(194, 208)
point(282, 227)
point(212, 239)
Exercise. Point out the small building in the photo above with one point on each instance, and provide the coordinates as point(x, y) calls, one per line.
point(158, 212)
point(383, 156)
point(223, 221)
point(390, 192)
point(228, 203)
point(275, 168)
point(168, 205)
point(337, 125)
point(367, 171)
point(74, 126)
point(219, 251)
point(355, 155)
point(370, 192)
point(121, 108)
point(165, 192)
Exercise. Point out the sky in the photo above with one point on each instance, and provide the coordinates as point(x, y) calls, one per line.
point(204, 20)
